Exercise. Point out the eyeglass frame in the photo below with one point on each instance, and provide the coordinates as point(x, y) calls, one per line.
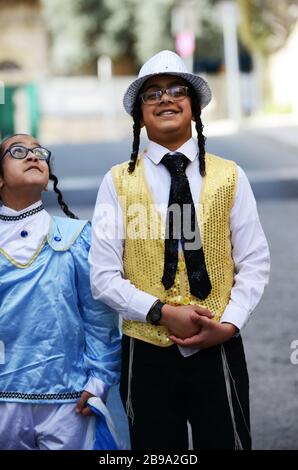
point(162, 92)
point(28, 150)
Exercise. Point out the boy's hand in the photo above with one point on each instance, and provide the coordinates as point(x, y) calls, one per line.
point(81, 408)
point(180, 320)
point(210, 333)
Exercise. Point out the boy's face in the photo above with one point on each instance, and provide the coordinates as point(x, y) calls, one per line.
point(167, 119)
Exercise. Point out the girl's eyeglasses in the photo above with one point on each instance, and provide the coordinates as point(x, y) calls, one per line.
point(176, 93)
point(20, 152)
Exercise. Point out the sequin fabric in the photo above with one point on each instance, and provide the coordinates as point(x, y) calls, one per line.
point(144, 243)
point(166, 62)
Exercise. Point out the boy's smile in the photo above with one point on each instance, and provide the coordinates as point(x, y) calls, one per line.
point(167, 112)
point(167, 121)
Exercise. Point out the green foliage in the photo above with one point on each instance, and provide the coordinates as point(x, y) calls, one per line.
point(117, 38)
point(152, 28)
point(266, 24)
point(82, 30)
point(74, 26)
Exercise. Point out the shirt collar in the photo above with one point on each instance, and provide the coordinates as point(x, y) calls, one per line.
point(155, 151)
point(8, 211)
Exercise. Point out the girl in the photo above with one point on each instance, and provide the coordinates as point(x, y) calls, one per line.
point(59, 346)
point(199, 250)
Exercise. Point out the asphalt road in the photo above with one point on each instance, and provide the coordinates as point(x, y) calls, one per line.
point(272, 168)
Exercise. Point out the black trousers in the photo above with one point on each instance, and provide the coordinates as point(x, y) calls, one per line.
point(167, 390)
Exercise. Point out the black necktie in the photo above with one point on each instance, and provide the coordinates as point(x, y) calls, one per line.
point(182, 225)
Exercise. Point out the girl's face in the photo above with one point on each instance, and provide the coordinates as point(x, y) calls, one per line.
point(28, 173)
point(167, 119)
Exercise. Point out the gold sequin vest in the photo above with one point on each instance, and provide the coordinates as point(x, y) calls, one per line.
point(144, 242)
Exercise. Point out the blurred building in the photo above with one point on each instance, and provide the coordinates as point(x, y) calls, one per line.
point(23, 62)
point(62, 107)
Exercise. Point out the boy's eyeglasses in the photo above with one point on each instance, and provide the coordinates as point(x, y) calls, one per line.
point(20, 152)
point(176, 93)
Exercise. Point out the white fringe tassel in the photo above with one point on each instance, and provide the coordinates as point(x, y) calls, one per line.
point(129, 409)
point(228, 377)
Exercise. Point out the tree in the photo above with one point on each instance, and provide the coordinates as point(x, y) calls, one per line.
point(74, 26)
point(266, 24)
point(82, 30)
point(136, 29)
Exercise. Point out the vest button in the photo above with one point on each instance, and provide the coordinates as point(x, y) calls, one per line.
point(181, 265)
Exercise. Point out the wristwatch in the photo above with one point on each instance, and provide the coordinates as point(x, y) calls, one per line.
point(154, 315)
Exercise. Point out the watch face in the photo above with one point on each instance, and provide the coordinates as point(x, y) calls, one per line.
point(155, 315)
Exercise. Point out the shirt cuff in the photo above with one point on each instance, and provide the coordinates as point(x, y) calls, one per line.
point(235, 315)
point(139, 305)
point(97, 387)
point(187, 351)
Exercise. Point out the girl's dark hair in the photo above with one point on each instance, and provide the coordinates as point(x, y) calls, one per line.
point(60, 200)
point(52, 177)
point(196, 111)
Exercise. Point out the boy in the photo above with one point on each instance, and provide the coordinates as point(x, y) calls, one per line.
point(185, 279)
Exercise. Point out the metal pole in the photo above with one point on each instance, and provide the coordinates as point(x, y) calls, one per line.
point(229, 16)
point(184, 20)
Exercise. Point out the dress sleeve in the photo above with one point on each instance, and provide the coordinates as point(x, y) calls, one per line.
point(102, 335)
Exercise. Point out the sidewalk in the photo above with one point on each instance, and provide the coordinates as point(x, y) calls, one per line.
point(280, 128)
point(267, 149)
point(59, 130)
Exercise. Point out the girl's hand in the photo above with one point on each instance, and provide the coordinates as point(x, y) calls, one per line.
point(81, 407)
point(211, 333)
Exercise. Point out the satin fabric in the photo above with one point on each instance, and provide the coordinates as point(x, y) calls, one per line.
point(55, 335)
point(45, 427)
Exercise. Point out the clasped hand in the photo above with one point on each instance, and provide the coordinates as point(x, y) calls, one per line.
point(193, 326)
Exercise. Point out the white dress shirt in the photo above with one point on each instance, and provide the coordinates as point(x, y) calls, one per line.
point(249, 246)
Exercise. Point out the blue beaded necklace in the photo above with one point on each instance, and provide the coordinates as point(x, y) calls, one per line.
point(14, 218)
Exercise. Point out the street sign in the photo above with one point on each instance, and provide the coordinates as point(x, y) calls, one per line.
point(185, 43)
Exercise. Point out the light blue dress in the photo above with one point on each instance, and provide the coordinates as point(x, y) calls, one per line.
point(54, 335)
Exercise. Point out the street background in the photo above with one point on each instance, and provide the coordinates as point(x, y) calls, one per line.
point(63, 69)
